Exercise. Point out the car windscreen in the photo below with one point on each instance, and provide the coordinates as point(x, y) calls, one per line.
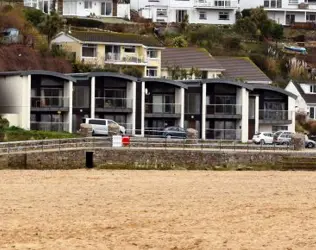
point(97, 122)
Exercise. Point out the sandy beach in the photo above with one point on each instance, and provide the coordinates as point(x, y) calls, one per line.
point(96, 209)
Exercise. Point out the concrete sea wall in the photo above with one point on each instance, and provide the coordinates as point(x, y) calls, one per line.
point(135, 158)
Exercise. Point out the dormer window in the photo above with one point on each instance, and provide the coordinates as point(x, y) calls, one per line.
point(312, 88)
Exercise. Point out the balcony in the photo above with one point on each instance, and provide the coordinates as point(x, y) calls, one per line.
point(275, 116)
point(108, 104)
point(49, 103)
point(216, 4)
point(116, 58)
point(223, 111)
point(170, 110)
point(50, 126)
point(223, 134)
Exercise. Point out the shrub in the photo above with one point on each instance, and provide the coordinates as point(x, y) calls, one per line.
point(33, 15)
point(179, 42)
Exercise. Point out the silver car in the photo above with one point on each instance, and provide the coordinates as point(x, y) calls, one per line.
point(282, 137)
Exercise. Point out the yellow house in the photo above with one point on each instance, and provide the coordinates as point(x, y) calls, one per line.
point(122, 49)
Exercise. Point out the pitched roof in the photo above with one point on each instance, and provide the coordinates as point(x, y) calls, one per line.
point(309, 98)
point(114, 37)
point(242, 67)
point(188, 58)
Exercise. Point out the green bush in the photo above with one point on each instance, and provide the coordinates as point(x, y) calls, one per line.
point(33, 15)
point(19, 134)
point(89, 23)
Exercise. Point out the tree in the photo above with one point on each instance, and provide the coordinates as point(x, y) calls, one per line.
point(245, 13)
point(179, 42)
point(184, 24)
point(277, 32)
point(34, 16)
point(132, 71)
point(246, 26)
point(51, 25)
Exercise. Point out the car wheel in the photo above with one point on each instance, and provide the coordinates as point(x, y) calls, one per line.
point(93, 133)
point(310, 145)
point(168, 136)
point(262, 142)
point(285, 143)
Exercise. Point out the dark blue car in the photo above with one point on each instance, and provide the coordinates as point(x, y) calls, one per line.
point(174, 132)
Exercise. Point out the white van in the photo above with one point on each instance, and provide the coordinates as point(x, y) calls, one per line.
point(100, 126)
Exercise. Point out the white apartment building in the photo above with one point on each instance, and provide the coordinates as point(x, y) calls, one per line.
point(286, 12)
point(198, 11)
point(99, 8)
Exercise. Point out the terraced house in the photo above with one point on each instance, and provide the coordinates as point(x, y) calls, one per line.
point(110, 48)
point(216, 108)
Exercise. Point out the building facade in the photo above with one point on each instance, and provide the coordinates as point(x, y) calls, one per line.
point(306, 97)
point(110, 48)
point(97, 8)
point(198, 11)
point(216, 108)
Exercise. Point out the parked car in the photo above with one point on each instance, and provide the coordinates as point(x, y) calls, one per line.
point(282, 137)
point(10, 36)
point(310, 143)
point(174, 132)
point(100, 126)
point(263, 138)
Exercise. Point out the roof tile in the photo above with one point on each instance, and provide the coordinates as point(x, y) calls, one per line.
point(114, 37)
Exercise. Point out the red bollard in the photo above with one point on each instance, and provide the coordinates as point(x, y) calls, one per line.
point(125, 141)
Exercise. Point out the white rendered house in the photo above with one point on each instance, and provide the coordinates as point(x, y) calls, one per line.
point(98, 8)
point(198, 11)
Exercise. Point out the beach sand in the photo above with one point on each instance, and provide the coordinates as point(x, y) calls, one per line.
point(98, 209)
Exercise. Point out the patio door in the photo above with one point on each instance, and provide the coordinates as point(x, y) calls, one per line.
point(106, 9)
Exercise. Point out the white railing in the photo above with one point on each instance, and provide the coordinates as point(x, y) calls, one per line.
point(275, 115)
point(166, 108)
point(49, 101)
point(223, 109)
point(115, 57)
point(223, 134)
point(50, 126)
point(113, 103)
point(218, 4)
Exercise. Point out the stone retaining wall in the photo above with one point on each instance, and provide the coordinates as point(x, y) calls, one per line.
point(146, 159)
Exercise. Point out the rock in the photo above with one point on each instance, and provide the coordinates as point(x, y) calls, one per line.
point(113, 129)
point(192, 136)
point(298, 141)
point(85, 130)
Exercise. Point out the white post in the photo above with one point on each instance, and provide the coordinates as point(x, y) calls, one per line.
point(244, 114)
point(203, 121)
point(70, 90)
point(26, 104)
point(291, 110)
point(143, 110)
point(257, 114)
point(92, 97)
point(182, 103)
point(133, 107)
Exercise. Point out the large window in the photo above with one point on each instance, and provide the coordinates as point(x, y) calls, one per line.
point(129, 49)
point(89, 50)
point(312, 88)
point(193, 103)
point(81, 97)
point(151, 53)
point(161, 12)
point(312, 112)
point(88, 4)
point(223, 15)
point(180, 15)
point(151, 71)
point(202, 15)
point(311, 17)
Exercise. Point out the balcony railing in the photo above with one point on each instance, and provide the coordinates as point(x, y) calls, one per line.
point(113, 103)
point(223, 134)
point(223, 109)
point(49, 102)
point(216, 4)
point(165, 108)
point(275, 115)
point(115, 57)
point(50, 126)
